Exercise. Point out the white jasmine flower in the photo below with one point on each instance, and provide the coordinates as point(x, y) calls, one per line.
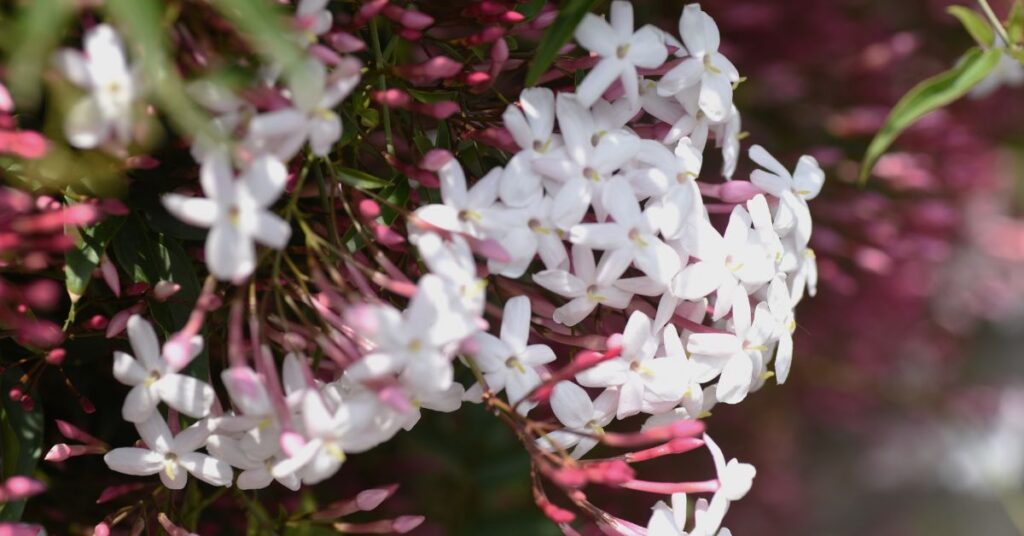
point(103, 71)
point(314, 96)
point(705, 67)
point(508, 362)
point(531, 125)
point(643, 380)
point(621, 50)
point(792, 189)
point(631, 235)
point(584, 419)
point(173, 457)
point(236, 212)
point(588, 287)
point(472, 211)
point(154, 380)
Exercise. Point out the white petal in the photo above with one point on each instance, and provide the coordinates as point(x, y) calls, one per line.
point(783, 357)
point(571, 405)
point(140, 404)
point(681, 76)
point(715, 96)
point(561, 282)
point(453, 184)
point(265, 179)
point(598, 80)
point(539, 106)
point(596, 35)
point(127, 370)
point(155, 433)
point(515, 323)
point(134, 461)
point(217, 179)
point(230, 255)
point(734, 383)
point(324, 131)
point(186, 394)
point(271, 230)
point(574, 312)
point(599, 235)
point(659, 261)
point(720, 344)
point(254, 479)
point(620, 202)
point(571, 203)
point(207, 468)
point(646, 48)
point(196, 211)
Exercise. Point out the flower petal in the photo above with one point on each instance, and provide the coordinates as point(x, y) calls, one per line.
point(186, 394)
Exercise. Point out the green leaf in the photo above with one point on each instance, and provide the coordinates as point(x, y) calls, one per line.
point(360, 179)
point(557, 36)
point(928, 96)
point(82, 260)
point(39, 26)
point(21, 441)
point(265, 26)
point(1015, 22)
point(975, 24)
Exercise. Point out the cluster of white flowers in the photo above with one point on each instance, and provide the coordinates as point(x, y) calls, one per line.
point(618, 221)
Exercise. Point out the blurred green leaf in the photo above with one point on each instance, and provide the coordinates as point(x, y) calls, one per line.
point(143, 26)
point(82, 260)
point(38, 29)
point(266, 27)
point(1015, 22)
point(975, 24)
point(531, 8)
point(569, 16)
point(928, 96)
point(21, 440)
point(360, 179)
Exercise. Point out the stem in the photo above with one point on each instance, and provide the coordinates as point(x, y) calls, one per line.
point(378, 58)
point(996, 23)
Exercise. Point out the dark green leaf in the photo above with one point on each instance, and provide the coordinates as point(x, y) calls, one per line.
point(928, 96)
point(569, 16)
point(975, 24)
point(82, 260)
point(21, 440)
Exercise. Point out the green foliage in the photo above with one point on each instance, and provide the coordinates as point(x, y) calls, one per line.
point(81, 261)
point(21, 441)
point(37, 30)
point(975, 24)
point(569, 17)
point(928, 96)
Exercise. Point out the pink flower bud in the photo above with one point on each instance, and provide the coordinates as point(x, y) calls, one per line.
point(55, 357)
point(345, 43)
point(58, 453)
point(512, 17)
point(737, 191)
point(393, 396)
point(404, 524)
point(75, 433)
point(439, 110)
point(477, 78)
point(490, 249)
point(20, 529)
point(110, 276)
point(386, 235)
point(17, 488)
point(164, 290)
point(396, 98)
point(42, 294)
point(435, 159)
point(101, 529)
point(370, 499)
point(15, 393)
point(86, 405)
point(97, 322)
point(408, 18)
point(112, 492)
point(369, 209)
